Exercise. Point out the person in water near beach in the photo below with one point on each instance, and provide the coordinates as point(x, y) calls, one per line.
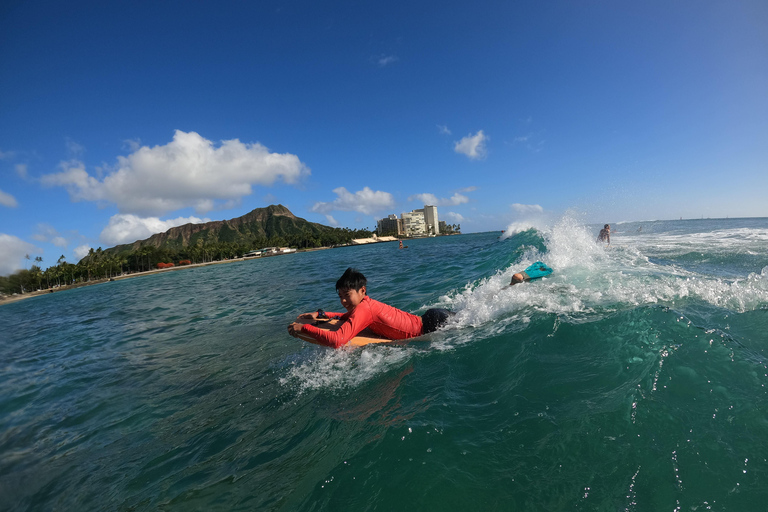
point(538, 269)
point(605, 234)
point(364, 312)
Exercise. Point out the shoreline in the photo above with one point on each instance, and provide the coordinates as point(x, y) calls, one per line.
point(19, 297)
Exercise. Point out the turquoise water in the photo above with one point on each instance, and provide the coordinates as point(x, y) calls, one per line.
point(634, 378)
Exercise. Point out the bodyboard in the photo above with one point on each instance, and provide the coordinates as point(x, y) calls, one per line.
point(538, 270)
point(364, 337)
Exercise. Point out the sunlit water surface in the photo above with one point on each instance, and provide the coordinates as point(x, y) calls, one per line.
point(634, 378)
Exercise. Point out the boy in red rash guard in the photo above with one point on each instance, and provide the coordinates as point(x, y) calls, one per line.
point(364, 312)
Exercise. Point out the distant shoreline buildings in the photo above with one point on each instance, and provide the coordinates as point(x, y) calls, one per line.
point(421, 222)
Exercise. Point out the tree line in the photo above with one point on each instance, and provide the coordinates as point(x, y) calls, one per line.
point(104, 264)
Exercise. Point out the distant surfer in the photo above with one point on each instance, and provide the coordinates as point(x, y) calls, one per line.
point(364, 312)
point(535, 271)
point(403, 246)
point(605, 234)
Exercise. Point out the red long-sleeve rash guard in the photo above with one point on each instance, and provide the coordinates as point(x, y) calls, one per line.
point(382, 319)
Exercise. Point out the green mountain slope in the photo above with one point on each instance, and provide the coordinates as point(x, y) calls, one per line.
point(273, 225)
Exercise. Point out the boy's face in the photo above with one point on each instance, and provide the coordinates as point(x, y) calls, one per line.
point(350, 298)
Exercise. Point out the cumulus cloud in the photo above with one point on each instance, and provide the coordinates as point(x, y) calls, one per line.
point(431, 199)
point(12, 250)
point(189, 171)
point(453, 217)
point(527, 208)
point(472, 145)
point(81, 251)
point(8, 200)
point(364, 201)
point(125, 228)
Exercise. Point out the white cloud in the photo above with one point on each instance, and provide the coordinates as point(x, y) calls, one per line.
point(131, 145)
point(527, 208)
point(454, 217)
point(443, 129)
point(6, 155)
point(45, 232)
point(80, 184)
point(386, 60)
point(81, 251)
point(472, 145)
point(425, 198)
point(431, 199)
point(21, 170)
point(12, 251)
point(331, 220)
point(49, 234)
point(189, 171)
point(457, 199)
point(364, 201)
point(8, 200)
point(125, 228)
point(59, 241)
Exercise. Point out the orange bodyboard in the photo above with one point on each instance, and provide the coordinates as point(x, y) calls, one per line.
point(364, 337)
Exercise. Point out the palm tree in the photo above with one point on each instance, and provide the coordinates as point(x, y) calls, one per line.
point(89, 264)
point(35, 274)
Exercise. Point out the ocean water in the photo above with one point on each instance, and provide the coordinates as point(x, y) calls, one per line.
point(634, 378)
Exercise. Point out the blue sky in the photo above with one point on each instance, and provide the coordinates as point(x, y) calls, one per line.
point(120, 119)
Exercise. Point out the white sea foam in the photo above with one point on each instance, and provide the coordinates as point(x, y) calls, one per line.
point(520, 226)
point(593, 278)
point(345, 368)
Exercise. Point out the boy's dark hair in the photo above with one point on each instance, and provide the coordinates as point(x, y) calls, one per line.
point(352, 279)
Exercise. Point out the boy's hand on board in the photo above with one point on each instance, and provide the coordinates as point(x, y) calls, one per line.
point(294, 329)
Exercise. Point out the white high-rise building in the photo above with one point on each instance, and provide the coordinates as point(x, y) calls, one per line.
point(430, 219)
point(413, 222)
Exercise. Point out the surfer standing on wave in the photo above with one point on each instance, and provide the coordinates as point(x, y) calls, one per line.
point(605, 234)
point(364, 312)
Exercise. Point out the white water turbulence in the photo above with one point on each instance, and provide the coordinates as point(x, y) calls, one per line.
point(591, 281)
point(592, 278)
